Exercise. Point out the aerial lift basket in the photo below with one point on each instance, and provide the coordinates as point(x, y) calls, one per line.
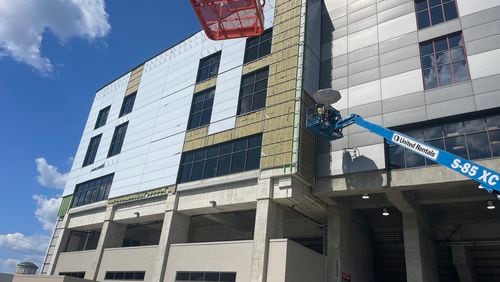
point(228, 19)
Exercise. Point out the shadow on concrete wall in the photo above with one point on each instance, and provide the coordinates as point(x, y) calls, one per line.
point(361, 172)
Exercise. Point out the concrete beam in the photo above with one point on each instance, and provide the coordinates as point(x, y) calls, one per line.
point(463, 263)
point(104, 240)
point(229, 220)
point(61, 244)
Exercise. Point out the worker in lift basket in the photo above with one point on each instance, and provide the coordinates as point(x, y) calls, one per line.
point(322, 113)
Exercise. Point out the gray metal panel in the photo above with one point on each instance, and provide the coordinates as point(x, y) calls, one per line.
point(448, 93)
point(405, 116)
point(363, 77)
point(354, 6)
point(389, 4)
point(480, 31)
point(400, 67)
point(488, 100)
point(339, 32)
point(340, 83)
point(339, 60)
point(482, 45)
point(399, 42)
point(358, 129)
point(486, 84)
point(339, 72)
point(338, 13)
point(481, 17)
point(363, 65)
point(439, 30)
point(451, 107)
point(364, 139)
point(362, 14)
point(368, 110)
point(400, 54)
point(340, 144)
point(395, 12)
point(403, 102)
point(363, 53)
point(362, 24)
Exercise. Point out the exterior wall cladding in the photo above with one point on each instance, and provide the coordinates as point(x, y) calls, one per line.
point(159, 199)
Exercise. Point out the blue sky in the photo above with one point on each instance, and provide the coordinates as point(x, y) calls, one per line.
point(47, 89)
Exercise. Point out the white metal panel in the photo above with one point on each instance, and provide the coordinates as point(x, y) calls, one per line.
point(466, 7)
point(397, 27)
point(362, 39)
point(402, 84)
point(484, 64)
point(365, 93)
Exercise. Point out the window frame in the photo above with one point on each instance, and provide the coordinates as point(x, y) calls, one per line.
point(204, 275)
point(210, 57)
point(102, 117)
point(435, 66)
point(112, 151)
point(111, 275)
point(92, 150)
point(259, 45)
point(127, 105)
point(254, 92)
point(203, 109)
point(428, 8)
point(92, 191)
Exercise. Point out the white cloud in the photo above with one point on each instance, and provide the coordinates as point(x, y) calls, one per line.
point(36, 244)
point(49, 175)
point(46, 211)
point(24, 22)
point(8, 265)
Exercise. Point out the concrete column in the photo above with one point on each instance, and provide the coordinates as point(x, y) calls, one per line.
point(108, 238)
point(268, 225)
point(175, 229)
point(61, 243)
point(420, 254)
point(463, 263)
point(349, 246)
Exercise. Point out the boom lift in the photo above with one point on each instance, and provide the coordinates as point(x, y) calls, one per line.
point(327, 121)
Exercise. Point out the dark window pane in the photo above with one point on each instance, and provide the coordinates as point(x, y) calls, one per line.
point(223, 165)
point(109, 275)
point(238, 162)
point(453, 129)
point(255, 141)
point(427, 48)
point(210, 168)
point(441, 45)
point(450, 11)
point(197, 171)
point(460, 71)
point(214, 70)
point(102, 117)
point(205, 117)
point(430, 78)
point(200, 155)
point(117, 141)
point(396, 157)
point(259, 101)
point(455, 40)
point(428, 61)
point(437, 15)
point(433, 132)
point(253, 41)
point(209, 67)
point(182, 276)
point(226, 148)
point(421, 5)
point(456, 145)
point(128, 104)
point(212, 277)
point(251, 54)
point(128, 276)
point(119, 275)
point(139, 275)
point(413, 159)
point(247, 90)
point(433, 3)
point(187, 157)
point(195, 120)
point(445, 75)
point(265, 49)
point(196, 276)
point(245, 105)
point(457, 54)
point(423, 19)
point(207, 104)
point(493, 122)
point(261, 85)
point(253, 159)
point(478, 146)
point(475, 125)
point(248, 80)
point(415, 134)
point(240, 145)
point(185, 173)
point(197, 107)
point(262, 74)
point(495, 142)
point(212, 152)
point(228, 277)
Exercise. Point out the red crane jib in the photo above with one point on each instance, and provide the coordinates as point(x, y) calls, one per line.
point(228, 19)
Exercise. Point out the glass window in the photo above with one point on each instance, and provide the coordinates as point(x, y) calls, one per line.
point(201, 109)
point(102, 117)
point(443, 61)
point(253, 91)
point(221, 159)
point(92, 150)
point(209, 67)
point(258, 47)
point(128, 104)
point(469, 138)
point(125, 275)
point(183, 276)
point(117, 141)
point(432, 12)
point(92, 191)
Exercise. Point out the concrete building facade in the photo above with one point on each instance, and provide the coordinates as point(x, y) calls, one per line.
point(196, 165)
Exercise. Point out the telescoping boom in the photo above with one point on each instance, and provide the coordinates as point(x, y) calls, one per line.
point(326, 120)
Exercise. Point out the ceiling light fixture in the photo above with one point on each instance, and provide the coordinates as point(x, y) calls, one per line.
point(385, 212)
point(490, 206)
point(365, 197)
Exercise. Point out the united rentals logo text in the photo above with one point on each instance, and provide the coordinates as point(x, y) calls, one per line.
point(415, 146)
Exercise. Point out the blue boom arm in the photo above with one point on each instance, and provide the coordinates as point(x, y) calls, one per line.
point(331, 127)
